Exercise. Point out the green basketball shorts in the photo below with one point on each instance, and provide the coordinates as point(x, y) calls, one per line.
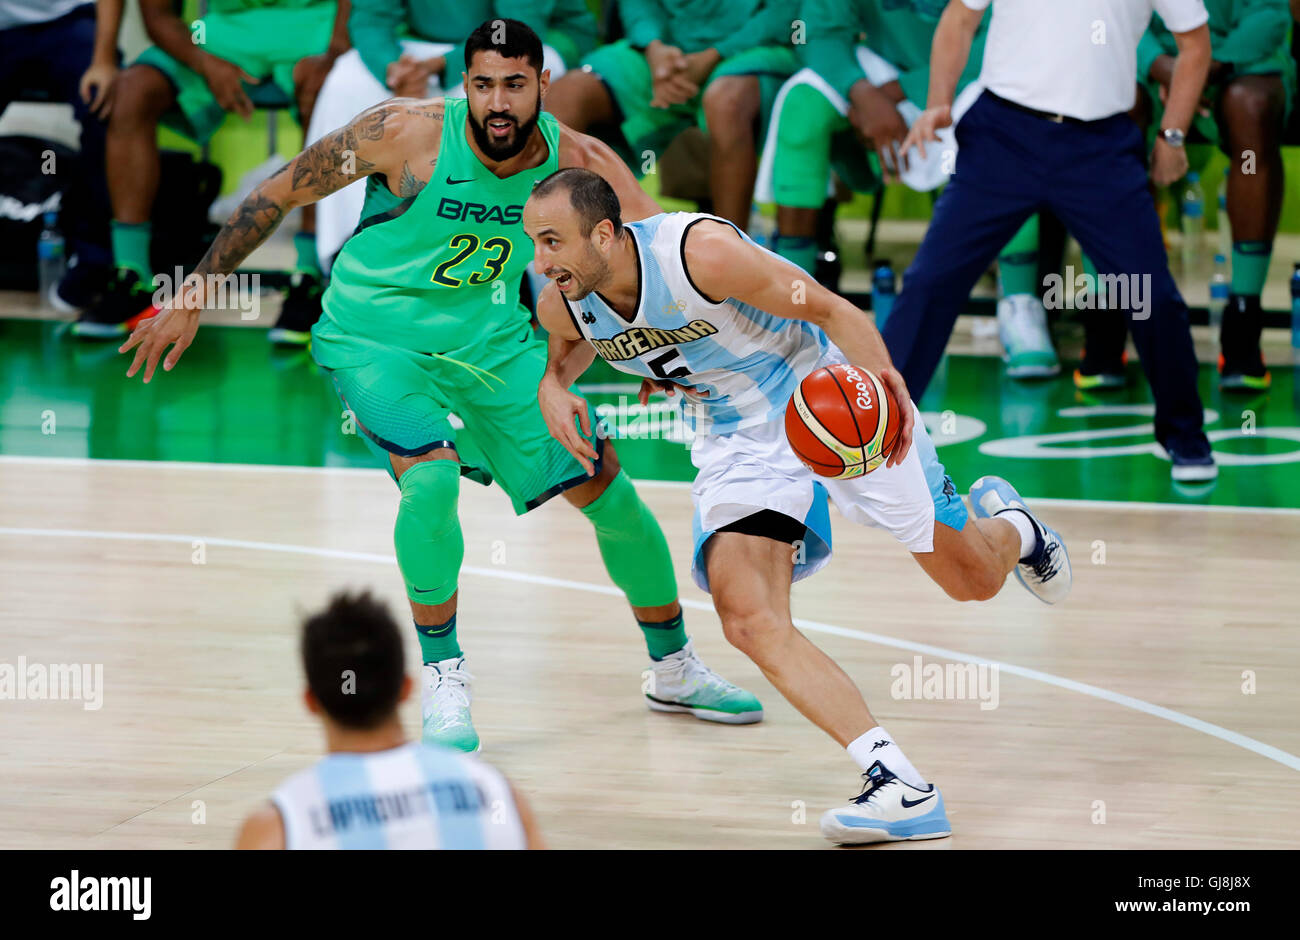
point(404, 401)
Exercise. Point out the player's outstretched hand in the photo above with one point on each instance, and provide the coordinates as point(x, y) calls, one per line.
point(926, 127)
point(559, 409)
point(906, 415)
point(173, 327)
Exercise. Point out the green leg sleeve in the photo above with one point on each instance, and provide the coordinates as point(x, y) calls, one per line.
point(632, 545)
point(427, 536)
point(1018, 263)
point(802, 164)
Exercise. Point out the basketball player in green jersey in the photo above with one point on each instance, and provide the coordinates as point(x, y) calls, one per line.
point(422, 320)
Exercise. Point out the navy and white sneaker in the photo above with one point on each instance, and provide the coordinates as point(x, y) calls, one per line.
point(1046, 572)
point(887, 810)
point(1191, 468)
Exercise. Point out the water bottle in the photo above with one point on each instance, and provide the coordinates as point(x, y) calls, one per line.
point(883, 288)
point(1295, 314)
point(1193, 221)
point(49, 253)
point(1218, 292)
point(1225, 227)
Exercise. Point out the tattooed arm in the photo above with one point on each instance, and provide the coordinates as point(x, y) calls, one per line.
point(398, 139)
point(371, 143)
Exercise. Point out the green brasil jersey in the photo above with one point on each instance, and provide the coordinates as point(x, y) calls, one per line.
point(440, 270)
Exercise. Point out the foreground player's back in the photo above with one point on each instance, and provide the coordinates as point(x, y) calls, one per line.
point(407, 797)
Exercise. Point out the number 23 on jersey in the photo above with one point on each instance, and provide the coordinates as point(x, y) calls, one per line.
point(497, 254)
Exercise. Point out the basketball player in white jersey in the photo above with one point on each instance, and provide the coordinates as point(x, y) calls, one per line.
point(692, 305)
point(374, 789)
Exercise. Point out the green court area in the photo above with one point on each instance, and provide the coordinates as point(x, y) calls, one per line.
point(234, 399)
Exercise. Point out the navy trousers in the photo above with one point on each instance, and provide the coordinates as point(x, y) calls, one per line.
point(1011, 164)
point(52, 57)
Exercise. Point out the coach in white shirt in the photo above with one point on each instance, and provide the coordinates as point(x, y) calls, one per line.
point(1052, 131)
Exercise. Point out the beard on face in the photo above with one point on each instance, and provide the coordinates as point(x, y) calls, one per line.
point(504, 149)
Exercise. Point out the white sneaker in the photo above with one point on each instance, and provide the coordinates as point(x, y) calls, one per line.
point(887, 810)
point(445, 699)
point(1027, 344)
point(1046, 574)
point(680, 682)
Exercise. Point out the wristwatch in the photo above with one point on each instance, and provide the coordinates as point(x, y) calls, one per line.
point(1173, 136)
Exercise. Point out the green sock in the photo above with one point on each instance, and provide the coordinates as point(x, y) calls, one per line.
point(308, 261)
point(798, 249)
point(130, 242)
point(439, 642)
point(1250, 267)
point(1018, 262)
point(664, 639)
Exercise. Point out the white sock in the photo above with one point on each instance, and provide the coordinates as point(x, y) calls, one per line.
point(877, 745)
point(1028, 534)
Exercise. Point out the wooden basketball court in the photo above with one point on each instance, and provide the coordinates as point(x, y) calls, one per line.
point(1157, 708)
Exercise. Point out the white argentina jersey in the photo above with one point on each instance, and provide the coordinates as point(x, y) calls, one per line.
point(408, 797)
point(749, 360)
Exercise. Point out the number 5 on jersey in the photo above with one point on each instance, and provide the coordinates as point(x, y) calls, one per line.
point(659, 365)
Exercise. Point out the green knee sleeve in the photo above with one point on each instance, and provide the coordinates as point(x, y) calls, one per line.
point(802, 164)
point(1018, 262)
point(632, 545)
point(427, 536)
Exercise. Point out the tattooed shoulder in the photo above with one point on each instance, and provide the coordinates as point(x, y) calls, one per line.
point(370, 126)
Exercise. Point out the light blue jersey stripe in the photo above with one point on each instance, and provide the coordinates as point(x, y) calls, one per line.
point(349, 796)
point(461, 812)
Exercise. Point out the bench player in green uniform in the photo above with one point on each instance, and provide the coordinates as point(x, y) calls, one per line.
point(240, 54)
point(850, 93)
point(422, 319)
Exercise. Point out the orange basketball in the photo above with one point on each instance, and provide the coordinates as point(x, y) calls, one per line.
point(842, 422)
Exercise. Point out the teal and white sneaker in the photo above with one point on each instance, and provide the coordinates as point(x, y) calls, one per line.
point(887, 810)
point(446, 700)
point(680, 682)
point(1045, 573)
point(1027, 344)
